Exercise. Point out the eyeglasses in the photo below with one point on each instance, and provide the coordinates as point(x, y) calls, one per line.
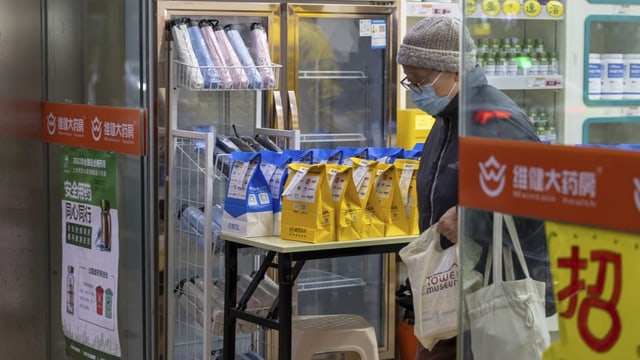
point(417, 87)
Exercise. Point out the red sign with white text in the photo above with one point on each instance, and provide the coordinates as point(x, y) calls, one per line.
point(580, 185)
point(95, 127)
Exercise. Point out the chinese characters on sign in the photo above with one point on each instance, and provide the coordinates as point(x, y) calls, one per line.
point(597, 187)
point(593, 294)
point(593, 272)
point(95, 127)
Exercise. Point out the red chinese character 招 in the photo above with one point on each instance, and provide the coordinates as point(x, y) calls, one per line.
point(594, 295)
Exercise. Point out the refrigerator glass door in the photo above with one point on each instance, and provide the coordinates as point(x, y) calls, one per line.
point(339, 64)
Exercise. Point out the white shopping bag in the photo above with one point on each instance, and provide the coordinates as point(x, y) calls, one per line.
point(507, 318)
point(433, 273)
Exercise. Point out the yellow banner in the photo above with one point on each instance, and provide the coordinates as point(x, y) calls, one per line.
point(595, 274)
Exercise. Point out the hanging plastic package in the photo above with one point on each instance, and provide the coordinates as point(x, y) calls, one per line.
point(260, 51)
point(255, 80)
point(206, 27)
point(231, 61)
point(192, 223)
point(189, 73)
point(211, 77)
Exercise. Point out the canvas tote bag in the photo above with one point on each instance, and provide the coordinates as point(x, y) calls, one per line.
point(507, 318)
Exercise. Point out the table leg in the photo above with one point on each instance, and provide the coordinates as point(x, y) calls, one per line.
point(230, 285)
point(285, 295)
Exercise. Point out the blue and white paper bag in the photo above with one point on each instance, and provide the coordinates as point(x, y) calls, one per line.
point(248, 207)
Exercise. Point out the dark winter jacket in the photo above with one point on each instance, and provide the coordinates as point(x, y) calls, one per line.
point(437, 180)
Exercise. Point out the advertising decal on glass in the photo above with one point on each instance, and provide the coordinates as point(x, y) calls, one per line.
point(90, 253)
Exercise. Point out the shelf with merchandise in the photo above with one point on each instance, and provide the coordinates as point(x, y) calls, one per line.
point(207, 78)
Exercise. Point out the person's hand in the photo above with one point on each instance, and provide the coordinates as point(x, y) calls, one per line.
point(448, 225)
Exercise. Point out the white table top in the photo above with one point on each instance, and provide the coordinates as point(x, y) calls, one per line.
point(275, 243)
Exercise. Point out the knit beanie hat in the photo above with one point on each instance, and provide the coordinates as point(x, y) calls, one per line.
point(433, 43)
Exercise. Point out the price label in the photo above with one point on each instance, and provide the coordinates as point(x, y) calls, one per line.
point(470, 7)
point(491, 7)
point(555, 8)
point(532, 8)
point(536, 82)
point(511, 7)
point(594, 273)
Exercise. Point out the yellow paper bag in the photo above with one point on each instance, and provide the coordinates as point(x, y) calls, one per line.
point(392, 210)
point(348, 210)
point(307, 206)
point(363, 176)
point(406, 171)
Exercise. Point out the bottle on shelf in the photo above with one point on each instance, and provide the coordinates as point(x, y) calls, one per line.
point(528, 47)
point(541, 125)
point(506, 46)
point(495, 46)
point(516, 47)
point(594, 89)
point(482, 47)
point(543, 64)
point(551, 135)
point(489, 65)
point(539, 46)
point(501, 64)
point(554, 66)
point(535, 64)
point(523, 62)
point(512, 65)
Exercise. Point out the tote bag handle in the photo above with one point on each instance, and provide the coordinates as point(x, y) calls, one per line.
point(495, 256)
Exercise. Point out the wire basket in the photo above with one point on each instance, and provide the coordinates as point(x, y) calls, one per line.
point(225, 78)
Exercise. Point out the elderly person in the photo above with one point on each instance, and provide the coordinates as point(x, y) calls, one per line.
point(433, 64)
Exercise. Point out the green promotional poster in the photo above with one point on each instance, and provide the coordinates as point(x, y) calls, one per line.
point(90, 252)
